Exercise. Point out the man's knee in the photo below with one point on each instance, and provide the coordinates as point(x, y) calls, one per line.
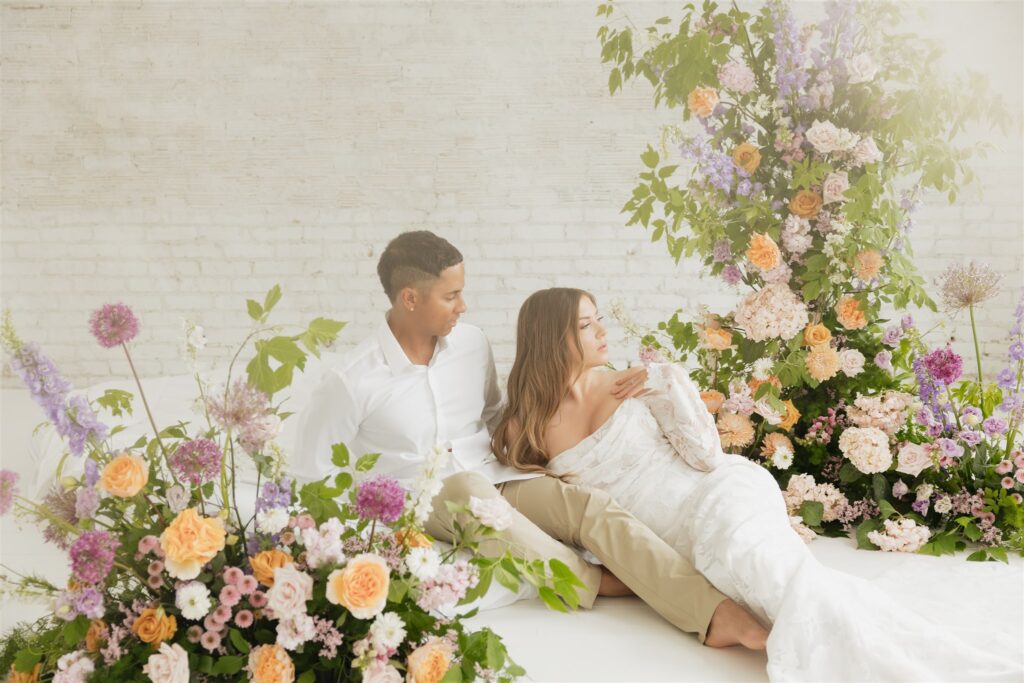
point(461, 486)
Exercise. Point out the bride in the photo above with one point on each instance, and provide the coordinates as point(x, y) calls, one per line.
point(659, 455)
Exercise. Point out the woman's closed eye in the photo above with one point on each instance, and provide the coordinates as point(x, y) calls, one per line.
point(586, 325)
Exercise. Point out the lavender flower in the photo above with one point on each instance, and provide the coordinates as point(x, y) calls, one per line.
point(8, 490)
point(92, 556)
point(944, 365)
point(197, 461)
point(380, 498)
point(113, 325)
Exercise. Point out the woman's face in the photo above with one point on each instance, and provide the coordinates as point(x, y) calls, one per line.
point(592, 335)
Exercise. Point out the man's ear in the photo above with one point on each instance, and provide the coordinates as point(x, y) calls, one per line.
point(408, 297)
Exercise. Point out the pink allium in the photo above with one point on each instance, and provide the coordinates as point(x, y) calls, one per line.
point(381, 498)
point(244, 619)
point(247, 584)
point(244, 403)
point(197, 461)
point(232, 575)
point(92, 556)
point(113, 325)
point(8, 479)
point(229, 596)
point(944, 365)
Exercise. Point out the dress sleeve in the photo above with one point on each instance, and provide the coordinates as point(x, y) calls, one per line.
point(675, 403)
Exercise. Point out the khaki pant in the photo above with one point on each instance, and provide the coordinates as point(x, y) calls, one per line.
point(549, 509)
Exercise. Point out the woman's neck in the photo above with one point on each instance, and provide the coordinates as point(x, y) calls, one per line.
point(580, 389)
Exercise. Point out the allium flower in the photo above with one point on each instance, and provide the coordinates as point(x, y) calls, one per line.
point(967, 284)
point(381, 498)
point(244, 404)
point(867, 448)
point(197, 461)
point(8, 490)
point(944, 365)
point(92, 556)
point(735, 431)
point(113, 325)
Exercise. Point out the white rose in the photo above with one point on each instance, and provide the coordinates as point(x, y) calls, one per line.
point(912, 459)
point(851, 362)
point(168, 665)
point(493, 512)
point(193, 599)
point(824, 136)
point(861, 68)
point(291, 589)
point(866, 152)
point(834, 186)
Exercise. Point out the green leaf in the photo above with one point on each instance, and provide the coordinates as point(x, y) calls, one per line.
point(885, 509)
point(650, 157)
point(561, 571)
point(231, 664)
point(75, 630)
point(239, 641)
point(366, 462)
point(879, 487)
point(972, 531)
point(308, 676)
point(339, 455)
point(255, 310)
point(285, 350)
point(273, 296)
point(116, 401)
point(811, 511)
point(26, 659)
point(866, 527)
point(321, 332)
point(495, 653)
point(551, 599)
point(453, 675)
point(342, 481)
point(614, 81)
point(849, 473)
point(978, 556)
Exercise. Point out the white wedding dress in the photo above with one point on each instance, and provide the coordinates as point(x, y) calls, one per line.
point(661, 458)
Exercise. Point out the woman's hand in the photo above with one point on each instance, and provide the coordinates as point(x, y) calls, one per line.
point(630, 383)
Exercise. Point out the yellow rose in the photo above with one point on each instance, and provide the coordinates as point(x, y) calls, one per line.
point(411, 538)
point(702, 101)
point(763, 252)
point(361, 587)
point(747, 157)
point(791, 416)
point(713, 400)
point(868, 264)
point(270, 664)
point(96, 634)
point(23, 677)
point(189, 542)
point(125, 475)
point(429, 662)
point(717, 339)
point(816, 334)
point(154, 626)
point(849, 314)
point(264, 565)
point(805, 204)
point(822, 362)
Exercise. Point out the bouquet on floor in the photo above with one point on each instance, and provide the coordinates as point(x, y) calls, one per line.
point(801, 154)
point(171, 582)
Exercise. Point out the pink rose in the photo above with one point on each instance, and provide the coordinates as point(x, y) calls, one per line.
point(168, 665)
point(291, 589)
point(912, 459)
point(494, 512)
point(381, 672)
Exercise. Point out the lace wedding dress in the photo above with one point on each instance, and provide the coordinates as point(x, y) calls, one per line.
point(660, 457)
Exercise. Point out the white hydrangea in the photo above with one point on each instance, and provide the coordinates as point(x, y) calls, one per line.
point(772, 312)
point(826, 137)
point(193, 599)
point(796, 235)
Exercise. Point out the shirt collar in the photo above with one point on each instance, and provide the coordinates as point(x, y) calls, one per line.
point(394, 354)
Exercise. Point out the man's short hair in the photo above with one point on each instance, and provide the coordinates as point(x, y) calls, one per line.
point(414, 257)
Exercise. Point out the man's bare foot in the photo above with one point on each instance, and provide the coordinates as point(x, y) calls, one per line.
point(611, 586)
point(733, 625)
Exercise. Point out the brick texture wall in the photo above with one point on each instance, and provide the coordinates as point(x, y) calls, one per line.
point(183, 156)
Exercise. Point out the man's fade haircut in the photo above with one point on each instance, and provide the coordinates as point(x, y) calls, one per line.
point(414, 257)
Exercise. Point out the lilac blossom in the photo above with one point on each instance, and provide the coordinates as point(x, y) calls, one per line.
point(732, 274)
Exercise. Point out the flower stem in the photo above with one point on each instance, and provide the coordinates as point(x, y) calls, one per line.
point(145, 403)
point(977, 350)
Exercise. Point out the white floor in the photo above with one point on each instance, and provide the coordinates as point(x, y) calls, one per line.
point(619, 640)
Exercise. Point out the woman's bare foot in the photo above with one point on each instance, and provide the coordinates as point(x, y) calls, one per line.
point(733, 625)
point(611, 586)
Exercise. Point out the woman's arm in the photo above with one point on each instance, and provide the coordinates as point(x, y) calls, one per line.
point(675, 402)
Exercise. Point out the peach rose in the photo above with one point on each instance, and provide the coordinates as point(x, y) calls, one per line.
point(822, 362)
point(270, 664)
point(763, 252)
point(849, 314)
point(154, 626)
point(411, 538)
point(716, 339)
point(125, 475)
point(713, 400)
point(265, 563)
point(189, 542)
point(805, 204)
point(702, 101)
point(362, 586)
point(868, 264)
point(96, 634)
point(747, 157)
point(791, 416)
point(816, 334)
point(25, 677)
point(429, 662)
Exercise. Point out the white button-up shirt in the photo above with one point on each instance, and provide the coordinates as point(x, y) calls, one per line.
point(378, 401)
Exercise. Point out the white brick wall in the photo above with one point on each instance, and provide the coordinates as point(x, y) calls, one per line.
point(182, 156)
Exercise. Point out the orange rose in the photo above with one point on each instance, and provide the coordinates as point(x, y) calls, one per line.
point(154, 626)
point(816, 334)
point(805, 204)
point(763, 252)
point(713, 400)
point(716, 339)
point(264, 565)
point(411, 538)
point(747, 157)
point(822, 362)
point(96, 634)
point(429, 662)
point(362, 586)
point(849, 314)
point(125, 475)
point(868, 264)
point(270, 664)
point(791, 416)
point(189, 542)
point(702, 101)
point(23, 677)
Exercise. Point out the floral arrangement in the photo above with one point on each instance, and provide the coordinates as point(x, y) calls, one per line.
point(333, 580)
point(803, 151)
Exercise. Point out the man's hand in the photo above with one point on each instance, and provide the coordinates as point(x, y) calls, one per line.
point(630, 384)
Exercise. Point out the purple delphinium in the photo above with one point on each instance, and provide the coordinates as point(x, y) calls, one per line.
point(945, 365)
point(1016, 351)
point(197, 461)
point(790, 76)
point(381, 498)
point(275, 495)
point(84, 425)
point(8, 489)
point(929, 392)
point(92, 472)
point(920, 506)
point(113, 325)
point(994, 426)
point(1006, 378)
point(92, 556)
point(719, 169)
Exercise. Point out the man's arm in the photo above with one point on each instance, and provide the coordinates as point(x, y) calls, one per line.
point(333, 415)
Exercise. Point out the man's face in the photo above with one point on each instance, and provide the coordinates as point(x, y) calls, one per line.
point(440, 302)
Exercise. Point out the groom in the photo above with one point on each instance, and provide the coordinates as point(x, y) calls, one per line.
point(424, 379)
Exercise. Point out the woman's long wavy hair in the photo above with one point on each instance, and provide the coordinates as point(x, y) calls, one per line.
point(543, 372)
